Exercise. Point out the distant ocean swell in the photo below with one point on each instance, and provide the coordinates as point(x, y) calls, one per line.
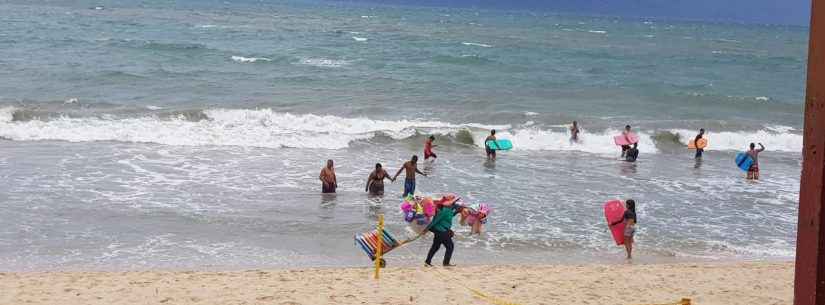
point(267, 128)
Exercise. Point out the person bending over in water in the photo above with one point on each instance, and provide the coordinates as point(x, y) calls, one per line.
point(328, 180)
point(375, 182)
point(491, 153)
point(753, 172)
point(625, 133)
point(629, 220)
point(428, 148)
point(699, 151)
point(441, 226)
point(411, 168)
point(574, 132)
point(632, 153)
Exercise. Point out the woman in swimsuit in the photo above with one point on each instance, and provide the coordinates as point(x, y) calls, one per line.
point(375, 182)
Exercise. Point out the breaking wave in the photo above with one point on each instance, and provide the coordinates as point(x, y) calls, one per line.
point(267, 128)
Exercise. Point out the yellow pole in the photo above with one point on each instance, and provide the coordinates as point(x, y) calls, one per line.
point(380, 245)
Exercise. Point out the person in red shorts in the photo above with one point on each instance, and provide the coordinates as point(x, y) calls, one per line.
point(428, 148)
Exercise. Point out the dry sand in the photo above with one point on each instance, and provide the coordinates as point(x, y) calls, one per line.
point(705, 283)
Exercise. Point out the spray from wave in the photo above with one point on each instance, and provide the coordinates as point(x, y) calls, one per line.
point(266, 128)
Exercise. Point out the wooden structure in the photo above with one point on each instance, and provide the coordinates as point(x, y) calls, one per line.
point(809, 283)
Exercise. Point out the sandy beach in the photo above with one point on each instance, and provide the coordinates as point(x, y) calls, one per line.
point(705, 283)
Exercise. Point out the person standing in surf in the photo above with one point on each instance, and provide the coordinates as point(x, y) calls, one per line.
point(699, 151)
point(626, 134)
point(375, 182)
point(491, 153)
point(411, 168)
point(753, 171)
point(574, 132)
point(428, 149)
point(328, 180)
point(629, 220)
point(441, 226)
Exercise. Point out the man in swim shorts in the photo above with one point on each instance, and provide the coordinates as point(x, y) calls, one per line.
point(699, 151)
point(328, 180)
point(753, 172)
point(428, 148)
point(411, 168)
point(491, 153)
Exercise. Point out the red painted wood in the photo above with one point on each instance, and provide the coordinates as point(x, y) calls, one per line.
point(809, 284)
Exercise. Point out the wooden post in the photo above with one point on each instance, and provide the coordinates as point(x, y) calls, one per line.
point(379, 250)
point(809, 283)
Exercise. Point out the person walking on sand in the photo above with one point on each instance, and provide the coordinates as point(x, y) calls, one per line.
point(375, 182)
point(574, 132)
point(629, 220)
point(411, 168)
point(441, 226)
point(753, 171)
point(428, 148)
point(328, 180)
point(699, 151)
point(491, 153)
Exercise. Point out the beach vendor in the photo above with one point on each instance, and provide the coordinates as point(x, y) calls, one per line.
point(441, 227)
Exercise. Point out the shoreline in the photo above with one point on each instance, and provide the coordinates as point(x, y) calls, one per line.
point(761, 282)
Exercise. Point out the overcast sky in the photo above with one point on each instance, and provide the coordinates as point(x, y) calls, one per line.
point(792, 12)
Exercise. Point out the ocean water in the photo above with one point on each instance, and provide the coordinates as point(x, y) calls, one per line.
point(190, 135)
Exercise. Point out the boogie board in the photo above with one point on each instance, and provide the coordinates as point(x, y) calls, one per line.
point(744, 161)
point(613, 212)
point(701, 145)
point(500, 145)
point(628, 139)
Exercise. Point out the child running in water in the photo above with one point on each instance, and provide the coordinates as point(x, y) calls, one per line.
point(428, 148)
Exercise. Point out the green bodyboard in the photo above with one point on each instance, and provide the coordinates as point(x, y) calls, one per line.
point(500, 145)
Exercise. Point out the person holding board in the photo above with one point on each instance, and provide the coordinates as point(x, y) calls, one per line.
point(753, 171)
point(410, 168)
point(491, 153)
point(699, 143)
point(629, 221)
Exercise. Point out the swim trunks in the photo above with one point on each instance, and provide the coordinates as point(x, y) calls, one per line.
point(409, 187)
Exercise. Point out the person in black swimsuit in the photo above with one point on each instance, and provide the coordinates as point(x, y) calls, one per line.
point(375, 182)
point(629, 220)
point(491, 153)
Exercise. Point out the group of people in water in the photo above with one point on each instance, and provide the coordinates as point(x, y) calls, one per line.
point(441, 224)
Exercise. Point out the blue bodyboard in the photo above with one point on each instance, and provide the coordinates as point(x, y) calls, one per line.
point(744, 161)
point(500, 145)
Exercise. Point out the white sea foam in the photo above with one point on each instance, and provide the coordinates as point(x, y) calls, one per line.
point(530, 113)
point(538, 139)
point(150, 107)
point(775, 138)
point(71, 101)
point(359, 39)
point(249, 59)
point(6, 114)
point(762, 98)
point(225, 127)
point(476, 44)
point(597, 32)
point(324, 62)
